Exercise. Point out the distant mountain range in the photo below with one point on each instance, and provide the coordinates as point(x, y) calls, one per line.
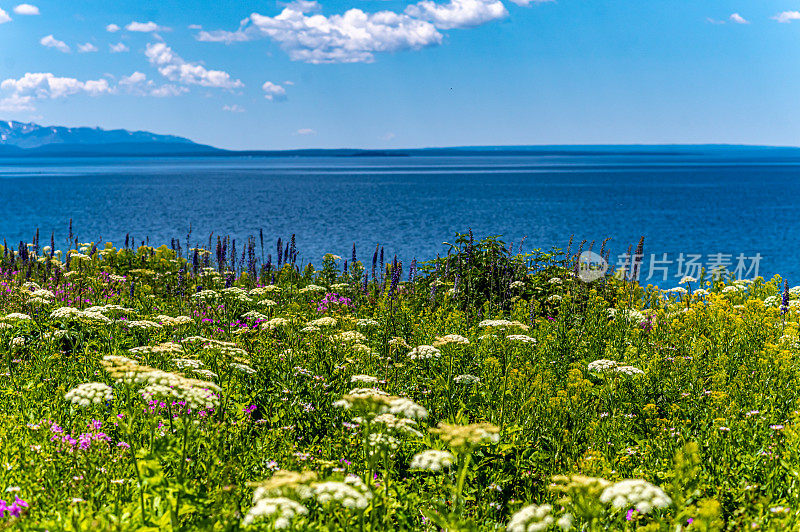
point(18, 139)
point(23, 140)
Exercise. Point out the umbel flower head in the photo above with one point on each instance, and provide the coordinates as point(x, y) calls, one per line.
point(432, 460)
point(467, 438)
point(278, 511)
point(197, 393)
point(284, 482)
point(424, 352)
point(374, 402)
point(352, 493)
point(636, 493)
point(531, 518)
point(89, 393)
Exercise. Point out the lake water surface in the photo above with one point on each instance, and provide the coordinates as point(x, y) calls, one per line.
point(410, 205)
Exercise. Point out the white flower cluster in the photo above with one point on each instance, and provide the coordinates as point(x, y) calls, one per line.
point(349, 337)
point(361, 349)
point(521, 338)
point(89, 393)
point(16, 316)
point(424, 352)
point(254, 315)
point(676, 290)
point(503, 324)
point(280, 510)
point(18, 341)
point(635, 493)
point(168, 348)
point(351, 494)
point(367, 322)
point(628, 370)
point(531, 518)
point(451, 339)
point(184, 363)
point(517, 284)
point(602, 365)
point(390, 423)
point(197, 393)
point(466, 379)
point(325, 321)
point(312, 288)
point(141, 324)
point(236, 293)
point(264, 290)
point(244, 368)
point(177, 320)
point(627, 314)
point(275, 323)
point(368, 379)
point(432, 460)
point(206, 295)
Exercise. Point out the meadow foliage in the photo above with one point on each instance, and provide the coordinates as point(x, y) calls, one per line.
point(178, 388)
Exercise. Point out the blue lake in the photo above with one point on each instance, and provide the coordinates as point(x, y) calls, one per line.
point(681, 204)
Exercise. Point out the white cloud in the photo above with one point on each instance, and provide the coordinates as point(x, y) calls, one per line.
point(173, 67)
point(111, 28)
point(529, 2)
point(52, 42)
point(352, 37)
point(233, 108)
point(26, 9)
point(273, 91)
point(87, 48)
point(144, 27)
point(195, 27)
point(458, 13)
point(16, 103)
point(738, 19)
point(165, 91)
point(305, 131)
point(138, 84)
point(787, 16)
point(133, 79)
point(41, 86)
point(118, 48)
point(4, 17)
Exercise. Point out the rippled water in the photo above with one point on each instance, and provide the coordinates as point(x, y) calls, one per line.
point(410, 205)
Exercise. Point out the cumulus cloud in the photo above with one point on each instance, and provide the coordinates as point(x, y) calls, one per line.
point(26, 9)
point(138, 84)
point(233, 108)
point(787, 16)
point(173, 67)
point(112, 28)
point(195, 27)
point(356, 36)
point(273, 91)
point(738, 19)
point(458, 13)
point(40, 86)
point(118, 48)
point(305, 131)
point(4, 17)
point(51, 42)
point(352, 37)
point(144, 27)
point(87, 48)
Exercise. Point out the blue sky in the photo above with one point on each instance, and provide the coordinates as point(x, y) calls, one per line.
point(389, 73)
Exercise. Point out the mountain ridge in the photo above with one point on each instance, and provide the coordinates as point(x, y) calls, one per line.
point(27, 139)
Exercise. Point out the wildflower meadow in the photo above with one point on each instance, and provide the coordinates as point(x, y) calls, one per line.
point(216, 387)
